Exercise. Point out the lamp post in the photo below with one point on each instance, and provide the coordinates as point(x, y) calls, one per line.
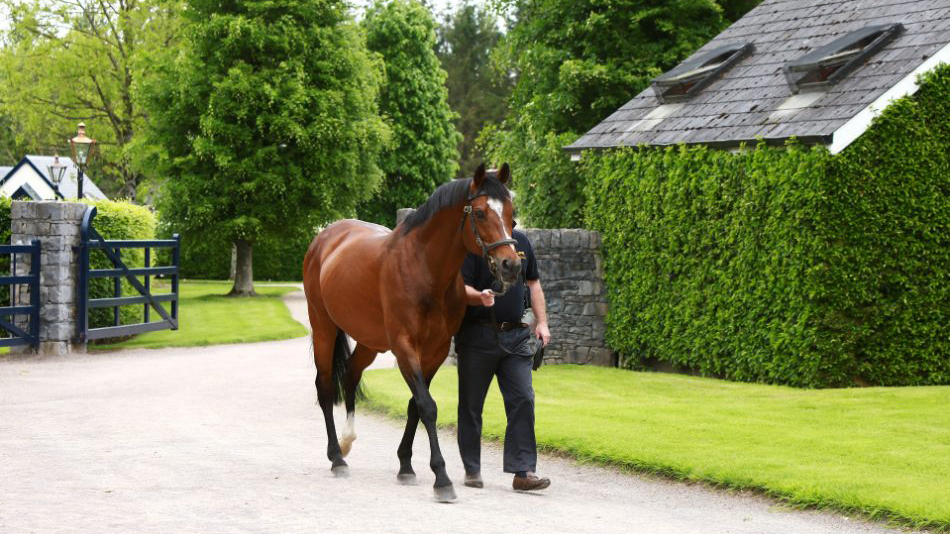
point(83, 150)
point(56, 170)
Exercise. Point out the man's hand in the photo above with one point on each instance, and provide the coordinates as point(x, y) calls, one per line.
point(487, 298)
point(541, 331)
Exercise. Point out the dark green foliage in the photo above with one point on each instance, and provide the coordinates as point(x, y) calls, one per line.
point(786, 266)
point(274, 259)
point(550, 186)
point(5, 240)
point(267, 121)
point(413, 99)
point(576, 62)
point(477, 92)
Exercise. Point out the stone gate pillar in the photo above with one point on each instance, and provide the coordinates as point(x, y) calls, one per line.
point(56, 225)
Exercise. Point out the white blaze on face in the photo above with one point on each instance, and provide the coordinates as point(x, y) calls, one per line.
point(498, 207)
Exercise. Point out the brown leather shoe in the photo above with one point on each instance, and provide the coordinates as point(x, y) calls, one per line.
point(531, 482)
point(474, 480)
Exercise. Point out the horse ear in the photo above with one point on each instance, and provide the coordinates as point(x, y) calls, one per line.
point(504, 174)
point(479, 177)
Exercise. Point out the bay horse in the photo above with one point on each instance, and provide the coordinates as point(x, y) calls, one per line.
point(402, 291)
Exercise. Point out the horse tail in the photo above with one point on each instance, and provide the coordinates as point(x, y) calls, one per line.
point(341, 358)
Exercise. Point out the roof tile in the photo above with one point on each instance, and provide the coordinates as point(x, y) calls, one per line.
point(740, 106)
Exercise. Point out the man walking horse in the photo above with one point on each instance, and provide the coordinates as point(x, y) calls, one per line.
point(401, 291)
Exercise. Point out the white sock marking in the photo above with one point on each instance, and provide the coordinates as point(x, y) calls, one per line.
point(349, 434)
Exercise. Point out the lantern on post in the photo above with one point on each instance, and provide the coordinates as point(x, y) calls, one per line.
point(56, 171)
point(83, 150)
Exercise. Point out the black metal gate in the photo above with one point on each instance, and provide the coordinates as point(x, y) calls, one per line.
point(19, 336)
point(167, 318)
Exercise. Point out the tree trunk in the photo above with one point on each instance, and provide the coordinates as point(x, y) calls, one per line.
point(244, 272)
point(233, 262)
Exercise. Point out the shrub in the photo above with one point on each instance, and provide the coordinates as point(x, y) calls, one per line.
point(549, 186)
point(786, 266)
point(274, 259)
point(119, 220)
point(5, 233)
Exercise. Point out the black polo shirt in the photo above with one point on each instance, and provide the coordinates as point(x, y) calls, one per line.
point(509, 307)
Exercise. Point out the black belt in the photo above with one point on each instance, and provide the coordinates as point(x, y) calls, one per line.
point(504, 326)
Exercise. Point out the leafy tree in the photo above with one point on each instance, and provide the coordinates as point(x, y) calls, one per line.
point(413, 100)
point(576, 62)
point(267, 121)
point(477, 92)
point(66, 61)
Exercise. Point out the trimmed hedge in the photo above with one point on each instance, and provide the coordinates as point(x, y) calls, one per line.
point(273, 259)
point(790, 265)
point(5, 233)
point(120, 220)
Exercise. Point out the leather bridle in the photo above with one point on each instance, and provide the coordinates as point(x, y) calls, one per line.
point(492, 266)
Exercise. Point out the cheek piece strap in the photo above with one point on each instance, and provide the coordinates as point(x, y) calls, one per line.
point(492, 265)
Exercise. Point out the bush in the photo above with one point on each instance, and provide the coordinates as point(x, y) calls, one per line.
point(274, 259)
point(120, 220)
point(549, 187)
point(5, 233)
point(786, 266)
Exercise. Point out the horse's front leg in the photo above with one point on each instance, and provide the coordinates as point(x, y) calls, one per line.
point(410, 364)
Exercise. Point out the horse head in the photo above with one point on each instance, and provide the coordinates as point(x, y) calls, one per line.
point(492, 212)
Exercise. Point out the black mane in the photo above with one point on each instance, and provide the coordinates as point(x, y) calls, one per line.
point(451, 194)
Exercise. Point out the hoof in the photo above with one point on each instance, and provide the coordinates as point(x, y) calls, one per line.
point(406, 479)
point(340, 471)
point(445, 494)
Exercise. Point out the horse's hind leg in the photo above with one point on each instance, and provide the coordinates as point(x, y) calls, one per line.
point(404, 452)
point(361, 359)
point(325, 343)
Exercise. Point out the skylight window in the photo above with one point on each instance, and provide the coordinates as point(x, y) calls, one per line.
point(690, 77)
point(826, 66)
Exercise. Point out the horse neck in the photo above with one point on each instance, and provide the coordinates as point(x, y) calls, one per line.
point(442, 246)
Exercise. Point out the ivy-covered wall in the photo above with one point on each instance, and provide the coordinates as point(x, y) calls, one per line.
point(789, 265)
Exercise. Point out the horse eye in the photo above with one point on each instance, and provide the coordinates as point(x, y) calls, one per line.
point(480, 214)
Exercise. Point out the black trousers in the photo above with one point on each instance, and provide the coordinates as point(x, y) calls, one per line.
point(479, 360)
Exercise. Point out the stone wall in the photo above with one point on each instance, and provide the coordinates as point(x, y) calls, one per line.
point(572, 279)
point(56, 225)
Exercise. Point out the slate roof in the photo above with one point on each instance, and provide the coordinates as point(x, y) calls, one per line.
point(68, 188)
point(742, 105)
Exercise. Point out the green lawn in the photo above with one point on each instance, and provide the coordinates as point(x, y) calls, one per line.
point(209, 318)
point(884, 452)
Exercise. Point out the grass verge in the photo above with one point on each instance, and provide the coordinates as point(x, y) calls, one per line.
point(207, 317)
point(882, 452)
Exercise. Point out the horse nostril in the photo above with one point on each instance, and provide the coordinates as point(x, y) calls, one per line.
point(505, 264)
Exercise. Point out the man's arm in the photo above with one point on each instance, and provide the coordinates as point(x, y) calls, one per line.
point(474, 297)
point(540, 312)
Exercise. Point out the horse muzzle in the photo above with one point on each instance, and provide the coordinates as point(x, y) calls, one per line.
point(505, 271)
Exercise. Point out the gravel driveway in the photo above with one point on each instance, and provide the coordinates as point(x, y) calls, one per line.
point(228, 439)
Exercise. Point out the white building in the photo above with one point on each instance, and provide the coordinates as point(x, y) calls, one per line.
point(30, 179)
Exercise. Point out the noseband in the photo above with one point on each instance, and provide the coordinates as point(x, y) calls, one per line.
point(478, 238)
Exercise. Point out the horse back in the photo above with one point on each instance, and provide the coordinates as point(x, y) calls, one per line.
point(341, 277)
